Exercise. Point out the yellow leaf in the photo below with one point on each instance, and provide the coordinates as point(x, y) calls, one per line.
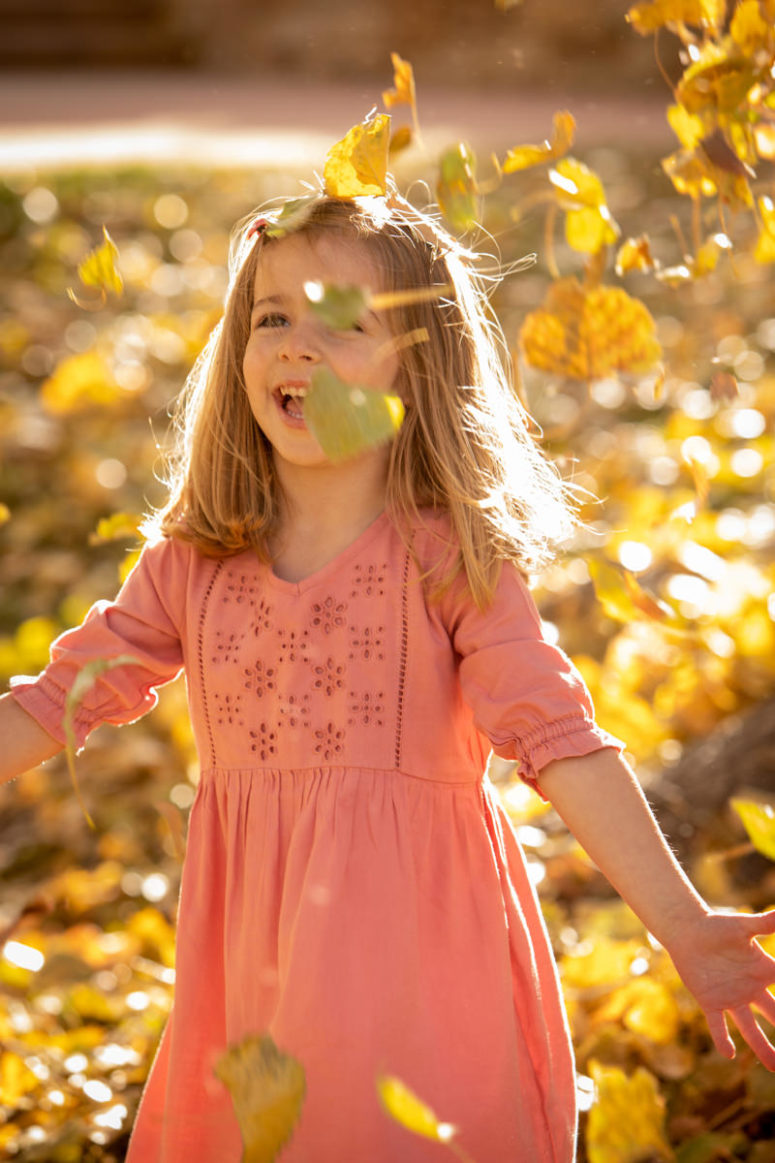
point(267, 1088)
point(99, 269)
point(716, 81)
point(401, 140)
point(765, 243)
point(626, 1123)
point(403, 91)
point(590, 229)
point(576, 186)
point(357, 165)
point(690, 174)
point(5, 514)
point(456, 191)
point(78, 382)
point(635, 255)
point(688, 128)
point(655, 14)
point(411, 1112)
point(764, 138)
point(747, 28)
point(607, 962)
point(706, 259)
point(16, 1080)
point(524, 156)
point(590, 333)
point(759, 822)
point(116, 527)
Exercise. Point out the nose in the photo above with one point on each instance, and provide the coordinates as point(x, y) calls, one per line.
point(299, 343)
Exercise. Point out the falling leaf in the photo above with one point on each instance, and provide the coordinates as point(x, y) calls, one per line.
point(403, 91)
point(627, 1122)
point(723, 387)
point(648, 17)
point(621, 595)
point(524, 156)
point(357, 165)
point(339, 306)
point(747, 28)
point(590, 333)
point(759, 822)
point(346, 419)
point(579, 191)
point(84, 681)
point(635, 255)
point(292, 217)
point(79, 382)
point(267, 1088)
point(456, 190)
point(688, 128)
point(765, 243)
point(99, 270)
point(400, 140)
point(406, 1108)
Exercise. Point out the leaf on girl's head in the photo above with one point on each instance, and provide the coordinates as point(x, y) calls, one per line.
point(357, 165)
point(403, 91)
point(338, 305)
point(84, 681)
point(456, 189)
point(635, 255)
point(588, 333)
point(403, 1105)
point(346, 419)
point(627, 1122)
point(522, 157)
point(99, 270)
point(292, 217)
point(267, 1088)
point(759, 822)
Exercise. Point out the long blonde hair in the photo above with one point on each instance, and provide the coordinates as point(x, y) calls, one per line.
point(465, 447)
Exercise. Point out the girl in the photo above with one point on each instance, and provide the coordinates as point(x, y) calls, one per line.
point(356, 636)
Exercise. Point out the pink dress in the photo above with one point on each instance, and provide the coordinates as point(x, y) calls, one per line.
point(351, 883)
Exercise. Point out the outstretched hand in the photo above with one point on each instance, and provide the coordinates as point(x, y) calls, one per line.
point(728, 972)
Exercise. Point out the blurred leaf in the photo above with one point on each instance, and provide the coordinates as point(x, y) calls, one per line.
point(747, 27)
point(116, 527)
point(765, 243)
point(456, 189)
point(654, 14)
point(626, 1123)
point(337, 305)
point(711, 1147)
point(79, 382)
point(524, 156)
point(267, 1088)
point(16, 1080)
point(99, 270)
point(357, 165)
point(579, 191)
point(723, 387)
point(346, 419)
point(688, 128)
point(587, 334)
point(403, 91)
point(759, 822)
point(635, 255)
point(83, 683)
point(400, 140)
point(403, 1105)
point(5, 513)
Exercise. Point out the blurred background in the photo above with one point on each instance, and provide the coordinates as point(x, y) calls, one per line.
point(164, 123)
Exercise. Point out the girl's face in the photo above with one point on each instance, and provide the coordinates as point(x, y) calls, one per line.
point(288, 341)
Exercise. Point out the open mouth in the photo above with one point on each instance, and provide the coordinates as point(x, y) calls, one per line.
point(291, 399)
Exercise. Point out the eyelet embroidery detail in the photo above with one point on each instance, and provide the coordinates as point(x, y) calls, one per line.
point(368, 580)
point(367, 643)
point(329, 741)
point(227, 710)
point(240, 590)
point(227, 646)
point(264, 741)
point(328, 614)
point(293, 644)
point(330, 677)
point(294, 711)
point(366, 708)
point(259, 678)
point(261, 617)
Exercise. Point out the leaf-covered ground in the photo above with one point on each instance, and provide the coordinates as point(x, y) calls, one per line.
point(687, 514)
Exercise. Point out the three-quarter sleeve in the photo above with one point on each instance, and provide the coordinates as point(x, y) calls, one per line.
point(526, 695)
point(144, 622)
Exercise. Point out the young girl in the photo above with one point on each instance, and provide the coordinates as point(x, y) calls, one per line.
point(356, 636)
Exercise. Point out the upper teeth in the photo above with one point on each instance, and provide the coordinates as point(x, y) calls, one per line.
point(294, 391)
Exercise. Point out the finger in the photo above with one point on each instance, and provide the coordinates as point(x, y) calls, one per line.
point(719, 1032)
point(763, 923)
point(761, 1046)
point(766, 1006)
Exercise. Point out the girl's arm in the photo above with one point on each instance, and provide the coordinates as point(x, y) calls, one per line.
point(23, 742)
point(716, 954)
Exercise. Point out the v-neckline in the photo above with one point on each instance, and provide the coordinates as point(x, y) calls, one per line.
point(336, 562)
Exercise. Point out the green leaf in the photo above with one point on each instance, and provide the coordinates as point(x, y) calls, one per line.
point(84, 681)
point(456, 190)
point(339, 306)
point(759, 822)
point(292, 217)
point(346, 419)
point(411, 1112)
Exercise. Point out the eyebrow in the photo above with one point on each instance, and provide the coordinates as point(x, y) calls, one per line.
point(273, 300)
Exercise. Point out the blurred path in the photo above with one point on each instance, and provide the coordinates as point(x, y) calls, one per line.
point(62, 119)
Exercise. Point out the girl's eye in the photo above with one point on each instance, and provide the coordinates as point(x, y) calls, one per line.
point(273, 319)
